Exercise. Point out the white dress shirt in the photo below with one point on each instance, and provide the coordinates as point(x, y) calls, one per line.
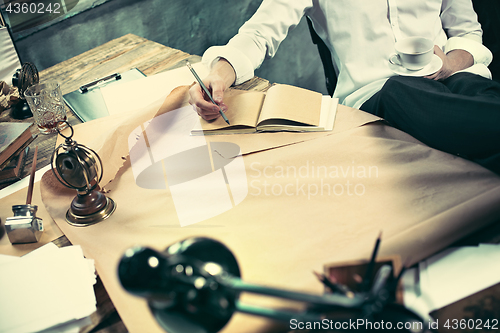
point(360, 34)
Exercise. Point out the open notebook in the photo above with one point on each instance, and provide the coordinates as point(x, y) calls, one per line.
point(282, 108)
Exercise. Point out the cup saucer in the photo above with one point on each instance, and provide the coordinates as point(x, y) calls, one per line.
point(431, 68)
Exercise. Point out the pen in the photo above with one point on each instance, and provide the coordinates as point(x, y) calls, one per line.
point(333, 285)
point(206, 91)
point(371, 265)
point(32, 178)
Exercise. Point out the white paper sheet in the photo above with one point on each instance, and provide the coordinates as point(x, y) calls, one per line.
point(452, 275)
point(46, 288)
point(23, 182)
point(133, 95)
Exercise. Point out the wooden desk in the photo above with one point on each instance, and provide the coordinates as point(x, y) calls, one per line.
point(121, 55)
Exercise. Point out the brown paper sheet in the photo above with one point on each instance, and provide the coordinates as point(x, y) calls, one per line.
point(289, 102)
point(9, 95)
point(346, 119)
point(109, 136)
point(346, 188)
point(250, 108)
point(243, 110)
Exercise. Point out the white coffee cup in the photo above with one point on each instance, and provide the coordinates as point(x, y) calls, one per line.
point(413, 53)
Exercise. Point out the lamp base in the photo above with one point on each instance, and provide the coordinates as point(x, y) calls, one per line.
point(100, 208)
point(21, 110)
point(212, 309)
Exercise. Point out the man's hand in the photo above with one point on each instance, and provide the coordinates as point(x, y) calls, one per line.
point(453, 61)
point(220, 78)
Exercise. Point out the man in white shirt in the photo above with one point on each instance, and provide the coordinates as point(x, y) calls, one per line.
point(361, 36)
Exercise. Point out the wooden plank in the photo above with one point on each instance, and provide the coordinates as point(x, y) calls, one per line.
point(171, 60)
point(93, 57)
point(254, 84)
point(90, 69)
point(122, 63)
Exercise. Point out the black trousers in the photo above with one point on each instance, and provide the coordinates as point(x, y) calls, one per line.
point(460, 115)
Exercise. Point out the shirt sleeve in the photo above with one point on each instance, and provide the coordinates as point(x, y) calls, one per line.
point(464, 31)
point(259, 37)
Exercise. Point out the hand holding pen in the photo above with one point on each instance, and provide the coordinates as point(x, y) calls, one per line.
point(207, 102)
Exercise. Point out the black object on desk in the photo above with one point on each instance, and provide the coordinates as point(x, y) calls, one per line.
point(87, 102)
point(194, 286)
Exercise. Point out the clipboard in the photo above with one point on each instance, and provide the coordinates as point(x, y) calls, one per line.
point(87, 102)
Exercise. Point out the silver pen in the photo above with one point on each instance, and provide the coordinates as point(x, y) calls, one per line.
point(206, 91)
